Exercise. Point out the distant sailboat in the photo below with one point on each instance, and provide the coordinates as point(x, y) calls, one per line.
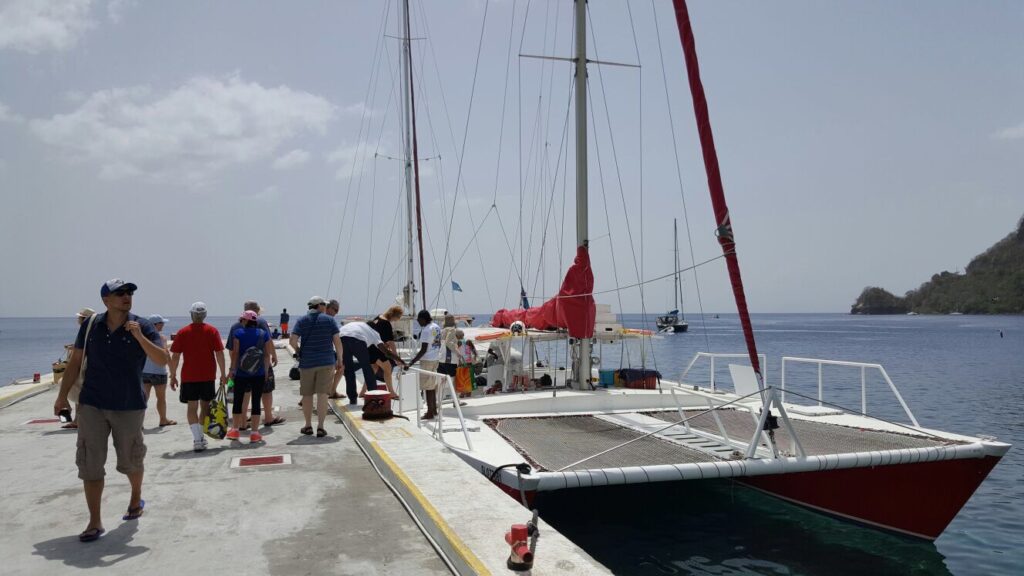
point(672, 321)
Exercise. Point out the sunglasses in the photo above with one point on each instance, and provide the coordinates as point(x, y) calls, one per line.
point(123, 292)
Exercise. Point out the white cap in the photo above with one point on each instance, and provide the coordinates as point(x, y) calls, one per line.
point(198, 308)
point(316, 301)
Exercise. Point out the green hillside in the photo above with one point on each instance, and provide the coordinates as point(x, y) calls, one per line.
point(993, 283)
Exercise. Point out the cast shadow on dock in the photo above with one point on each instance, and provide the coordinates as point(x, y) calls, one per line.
point(192, 455)
point(111, 548)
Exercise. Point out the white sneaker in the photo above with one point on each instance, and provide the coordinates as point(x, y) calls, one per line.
point(199, 445)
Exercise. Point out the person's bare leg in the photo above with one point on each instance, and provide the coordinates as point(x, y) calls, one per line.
point(337, 380)
point(307, 409)
point(268, 407)
point(321, 409)
point(161, 403)
point(135, 479)
point(146, 388)
point(385, 367)
point(93, 497)
point(192, 412)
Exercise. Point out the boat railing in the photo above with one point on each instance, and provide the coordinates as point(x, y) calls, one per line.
point(712, 356)
point(864, 367)
point(449, 385)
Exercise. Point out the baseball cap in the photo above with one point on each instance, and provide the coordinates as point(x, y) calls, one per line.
point(316, 301)
point(249, 315)
point(197, 308)
point(85, 313)
point(157, 319)
point(115, 285)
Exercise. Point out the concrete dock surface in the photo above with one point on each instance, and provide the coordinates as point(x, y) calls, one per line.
point(329, 511)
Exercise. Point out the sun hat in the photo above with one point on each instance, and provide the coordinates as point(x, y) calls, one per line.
point(114, 285)
point(157, 319)
point(249, 315)
point(316, 301)
point(197, 308)
point(85, 313)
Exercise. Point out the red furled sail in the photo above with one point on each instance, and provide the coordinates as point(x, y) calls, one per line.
point(572, 309)
point(707, 145)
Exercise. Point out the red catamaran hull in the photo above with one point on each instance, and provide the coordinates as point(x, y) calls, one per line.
point(914, 499)
point(917, 500)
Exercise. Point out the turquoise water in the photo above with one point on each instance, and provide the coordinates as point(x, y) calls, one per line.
point(955, 372)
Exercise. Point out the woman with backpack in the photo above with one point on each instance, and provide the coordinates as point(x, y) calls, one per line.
point(250, 366)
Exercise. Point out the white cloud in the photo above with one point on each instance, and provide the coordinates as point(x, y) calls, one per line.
point(292, 159)
point(1011, 133)
point(35, 26)
point(6, 115)
point(116, 9)
point(345, 158)
point(186, 134)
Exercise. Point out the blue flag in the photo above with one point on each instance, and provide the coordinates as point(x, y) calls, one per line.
point(456, 287)
point(522, 295)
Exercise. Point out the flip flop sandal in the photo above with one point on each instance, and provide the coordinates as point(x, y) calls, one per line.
point(277, 420)
point(168, 423)
point(307, 430)
point(69, 426)
point(91, 535)
point(134, 513)
point(320, 432)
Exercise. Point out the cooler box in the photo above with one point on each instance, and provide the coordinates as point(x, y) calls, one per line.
point(606, 378)
point(639, 378)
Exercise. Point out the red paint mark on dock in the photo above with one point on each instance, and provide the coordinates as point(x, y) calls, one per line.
point(43, 421)
point(261, 460)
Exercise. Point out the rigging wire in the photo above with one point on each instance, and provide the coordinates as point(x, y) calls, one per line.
point(451, 134)
point(370, 83)
point(469, 115)
point(679, 174)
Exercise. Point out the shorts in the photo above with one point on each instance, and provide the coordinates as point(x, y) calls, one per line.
point(428, 381)
point(154, 379)
point(195, 391)
point(95, 426)
point(447, 368)
point(316, 380)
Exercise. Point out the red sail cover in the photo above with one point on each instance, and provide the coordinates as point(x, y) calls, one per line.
point(572, 309)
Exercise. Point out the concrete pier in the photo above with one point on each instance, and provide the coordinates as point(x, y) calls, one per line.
point(324, 510)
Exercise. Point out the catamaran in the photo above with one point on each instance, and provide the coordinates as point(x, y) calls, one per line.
point(548, 427)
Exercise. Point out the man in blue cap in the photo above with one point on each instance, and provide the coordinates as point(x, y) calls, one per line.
point(115, 344)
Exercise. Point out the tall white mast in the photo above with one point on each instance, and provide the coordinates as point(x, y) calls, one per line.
point(409, 293)
point(582, 234)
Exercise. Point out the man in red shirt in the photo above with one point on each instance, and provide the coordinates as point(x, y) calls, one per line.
point(204, 353)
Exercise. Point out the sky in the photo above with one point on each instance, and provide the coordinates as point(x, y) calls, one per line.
point(234, 150)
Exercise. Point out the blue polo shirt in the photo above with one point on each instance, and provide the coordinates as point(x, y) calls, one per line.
point(113, 364)
point(316, 339)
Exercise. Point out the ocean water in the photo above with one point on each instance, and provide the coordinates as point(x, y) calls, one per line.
point(956, 373)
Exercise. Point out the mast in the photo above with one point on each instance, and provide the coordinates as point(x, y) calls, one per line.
point(409, 295)
point(582, 234)
point(415, 154)
point(707, 144)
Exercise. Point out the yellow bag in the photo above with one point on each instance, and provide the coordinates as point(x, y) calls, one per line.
point(216, 424)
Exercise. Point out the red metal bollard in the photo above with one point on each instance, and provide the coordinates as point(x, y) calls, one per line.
point(520, 557)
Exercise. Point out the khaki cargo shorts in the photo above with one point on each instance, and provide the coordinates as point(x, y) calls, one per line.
point(318, 380)
point(95, 426)
point(429, 381)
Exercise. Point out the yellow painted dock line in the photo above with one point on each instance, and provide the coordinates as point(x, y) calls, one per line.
point(467, 556)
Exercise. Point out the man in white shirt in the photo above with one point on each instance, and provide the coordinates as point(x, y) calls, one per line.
point(356, 338)
point(430, 352)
